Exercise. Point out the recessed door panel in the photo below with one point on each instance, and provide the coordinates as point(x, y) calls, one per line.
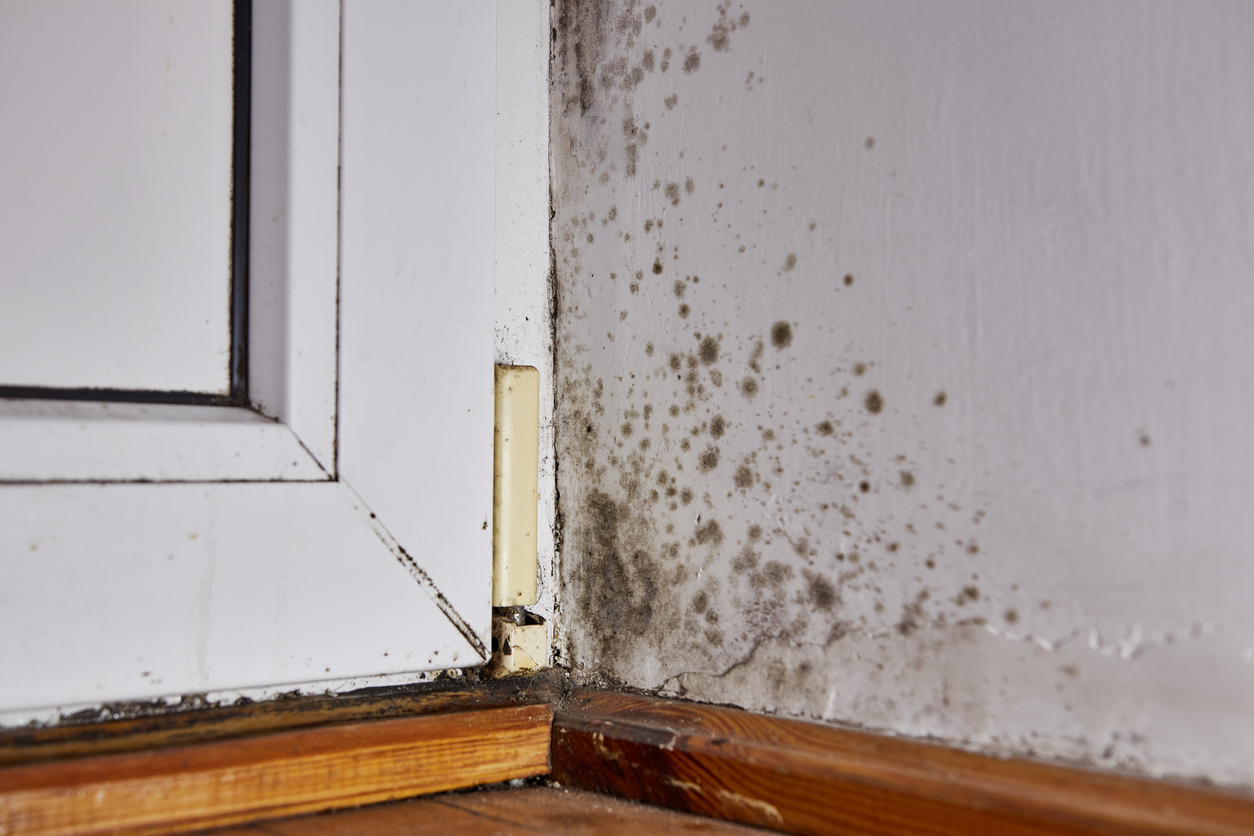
point(115, 194)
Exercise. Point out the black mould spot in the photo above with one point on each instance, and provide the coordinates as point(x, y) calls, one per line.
point(973, 548)
point(825, 428)
point(680, 288)
point(748, 387)
point(859, 369)
point(718, 425)
point(848, 279)
point(745, 561)
point(648, 349)
point(709, 533)
point(672, 193)
point(685, 496)
point(676, 362)
point(940, 399)
point(968, 595)
point(708, 351)
point(689, 186)
point(700, 602)
point(781, 334)
point(674, 410)
point(819, 591)
point(684, 310)
point(755, 532)
point(692, 61)
point(708, 460)
point(670, 102)
point(1145, 440)
point(743, 478)
point(650, 12)
point(1011, 616)
point(870, 142)
point(626, 429)
point(864, 486)
point(647, 61)
point(619, 585)
point(907, 479)
point(657, 267)
point(874, 402)
point(790, 262)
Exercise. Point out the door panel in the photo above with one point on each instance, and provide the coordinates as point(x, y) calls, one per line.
point(115, 209)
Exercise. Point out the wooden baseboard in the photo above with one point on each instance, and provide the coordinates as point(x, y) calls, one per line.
point(159, 726)
point(799, 777)
point(234, 781)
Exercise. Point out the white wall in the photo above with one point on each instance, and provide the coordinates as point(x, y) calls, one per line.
point(782, 231)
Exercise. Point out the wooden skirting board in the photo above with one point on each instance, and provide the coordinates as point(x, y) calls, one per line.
point(808, 778)
point(217, 767)
point(234, 781)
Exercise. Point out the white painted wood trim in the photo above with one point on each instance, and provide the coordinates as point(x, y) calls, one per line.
point(294, 220)
point(88, 441)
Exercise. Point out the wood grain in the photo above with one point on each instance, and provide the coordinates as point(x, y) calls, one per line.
point(157, 726)
point(808, 778)
point(526, 811)
point(226, 782)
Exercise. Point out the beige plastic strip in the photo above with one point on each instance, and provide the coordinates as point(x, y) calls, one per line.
point(514, 494)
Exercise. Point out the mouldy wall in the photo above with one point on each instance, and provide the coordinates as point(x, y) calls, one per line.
point(904, 366)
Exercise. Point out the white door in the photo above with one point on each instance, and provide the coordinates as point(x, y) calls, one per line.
point(159, 535)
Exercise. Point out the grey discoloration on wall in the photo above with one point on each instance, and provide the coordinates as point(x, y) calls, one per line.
point(772, 441)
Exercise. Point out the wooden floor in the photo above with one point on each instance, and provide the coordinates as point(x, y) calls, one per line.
point(525, 811)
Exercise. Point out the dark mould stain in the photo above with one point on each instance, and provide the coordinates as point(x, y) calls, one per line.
point(790, 262)
point(859, 369)
point(874, 402)
point(819, 591)
point(755, 532)
point(907, 479)
point(710, 533)
point(692, 61)
point(746, 560)
point(650, 12)
point(748, 387)
point(676, 362)
point(657, 266)
point(685, 496)
point(684, 310)
point(689, 186)
point(781, 334)
point(825, 428)
point(743, 478)
point(864, 486)
point(700, 602)
point(848, 279)
point(708, 460)
point(968, 595)
point(672, 193)
point(718, 425)
point(670, 102)
point(680, 288)
point(870, 142)
point(708, 351)
point(1145, 440)
point(619, 585)
point(1012, 616)
point(940, 399)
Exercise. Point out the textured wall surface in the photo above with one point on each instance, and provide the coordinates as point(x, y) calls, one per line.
point(904, 366)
